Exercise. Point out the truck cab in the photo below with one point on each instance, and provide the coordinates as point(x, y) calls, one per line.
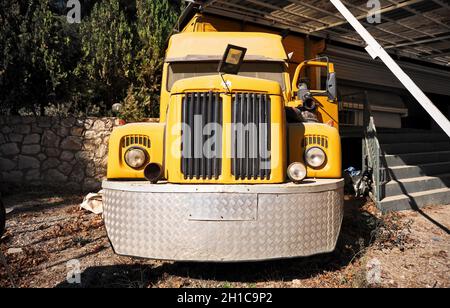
point(191, 80)
point(237, 161)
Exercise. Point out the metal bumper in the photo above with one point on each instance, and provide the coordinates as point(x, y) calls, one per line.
point(223, 223)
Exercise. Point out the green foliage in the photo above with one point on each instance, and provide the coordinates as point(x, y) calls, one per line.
point(115, 55)
point(134, 110)
point(105, 69)
point(35, 45)
point(155, 20)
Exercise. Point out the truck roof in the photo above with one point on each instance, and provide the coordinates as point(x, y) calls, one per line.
point(204, 46)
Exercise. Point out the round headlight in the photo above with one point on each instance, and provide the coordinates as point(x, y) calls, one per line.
point(297, 172)
point(136, 158)
point(315, 157)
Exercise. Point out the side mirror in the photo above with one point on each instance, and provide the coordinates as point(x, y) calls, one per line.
point(331, 76)
point(332, 86)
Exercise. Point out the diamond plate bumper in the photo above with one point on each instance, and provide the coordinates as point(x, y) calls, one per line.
point(223, 223)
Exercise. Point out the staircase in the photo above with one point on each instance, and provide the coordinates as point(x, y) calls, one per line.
point(416, 169)
point(409, 168)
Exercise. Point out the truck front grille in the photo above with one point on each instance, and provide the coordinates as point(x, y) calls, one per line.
point(251, 136)
point(199, 110)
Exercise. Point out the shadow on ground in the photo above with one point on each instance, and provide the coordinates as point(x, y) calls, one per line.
point(38, 201)
point(358, 232)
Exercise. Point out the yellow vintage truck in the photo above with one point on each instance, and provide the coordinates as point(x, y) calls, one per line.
point(245, 163)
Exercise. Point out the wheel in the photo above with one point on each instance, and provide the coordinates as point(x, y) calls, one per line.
point(2, 218)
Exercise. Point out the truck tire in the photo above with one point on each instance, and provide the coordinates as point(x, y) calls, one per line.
point(2, 218)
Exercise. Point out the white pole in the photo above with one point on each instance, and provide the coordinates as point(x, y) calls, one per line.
point(377, 51)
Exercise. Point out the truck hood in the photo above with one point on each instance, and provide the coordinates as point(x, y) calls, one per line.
point(233, 83)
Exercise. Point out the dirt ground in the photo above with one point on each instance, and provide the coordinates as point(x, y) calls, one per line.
point(44, 232)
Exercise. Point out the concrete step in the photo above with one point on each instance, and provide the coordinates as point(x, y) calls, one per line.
point(422, 147)
point(416, 200)
point(394, 138)
point(417, 158)
point(413, 185)
point(405, 172)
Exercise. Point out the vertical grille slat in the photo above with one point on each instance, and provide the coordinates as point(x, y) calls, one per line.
point(200, 109)
point(262, 135)
point(204, 160)
point(218, 138)
point(191, 106)
point(258, 107)
point(210, 108)
point(238, 143)
point(247, 137)
point(242, 133)
point(251, 141)
point(186, 139)
point(234, 162)
point(198, 138)
point(269, 133)
point(251, 136)
point(264, 138)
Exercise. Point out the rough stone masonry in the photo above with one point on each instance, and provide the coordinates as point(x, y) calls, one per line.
point(66, 153)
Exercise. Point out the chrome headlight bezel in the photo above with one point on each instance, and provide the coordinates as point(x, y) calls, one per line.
point(142, 158)
point(315, 157)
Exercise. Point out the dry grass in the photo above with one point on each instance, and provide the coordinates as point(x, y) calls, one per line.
point(51, 230)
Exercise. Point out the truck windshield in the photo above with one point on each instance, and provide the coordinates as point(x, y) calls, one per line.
point(263, 70)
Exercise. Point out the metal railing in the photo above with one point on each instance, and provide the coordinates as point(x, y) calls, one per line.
point(374, 162)
point(373, 155)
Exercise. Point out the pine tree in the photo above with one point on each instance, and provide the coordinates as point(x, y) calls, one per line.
point(33, 69)
point(106, 68)
point(154, 24)
point(115, 55)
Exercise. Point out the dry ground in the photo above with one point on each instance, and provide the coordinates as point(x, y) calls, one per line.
point(409, 249)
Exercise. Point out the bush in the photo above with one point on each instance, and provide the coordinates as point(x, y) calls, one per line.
point(35, 46)
point(106, 66)
point(116, 55)
point(133, 109)
point(154, 24)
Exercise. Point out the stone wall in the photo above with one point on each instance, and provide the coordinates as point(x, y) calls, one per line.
point(65, 153)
